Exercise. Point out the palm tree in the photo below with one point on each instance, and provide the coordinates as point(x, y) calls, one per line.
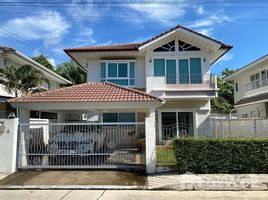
point(24, 80)
point(71, 71)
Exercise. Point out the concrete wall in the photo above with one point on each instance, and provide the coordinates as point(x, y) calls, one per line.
point(8, 145)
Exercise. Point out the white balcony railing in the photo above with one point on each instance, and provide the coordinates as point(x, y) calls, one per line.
point(256, 84)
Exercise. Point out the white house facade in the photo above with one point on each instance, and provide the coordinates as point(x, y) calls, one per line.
point(12, 57)
point(151, 92)
point(251, 89)
point(174, 65)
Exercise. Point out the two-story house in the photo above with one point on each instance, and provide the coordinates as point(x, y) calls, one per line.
point(251, 89)
point(12, 57)
point(174, 65)
point(155, 90)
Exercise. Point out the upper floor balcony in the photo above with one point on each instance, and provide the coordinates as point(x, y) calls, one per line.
point(196, 84)
point(256, 87)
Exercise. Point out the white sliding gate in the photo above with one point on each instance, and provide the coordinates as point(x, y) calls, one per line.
point(81, 145)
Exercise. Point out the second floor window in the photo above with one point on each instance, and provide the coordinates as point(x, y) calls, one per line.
point(182, 71)
point(121, 73)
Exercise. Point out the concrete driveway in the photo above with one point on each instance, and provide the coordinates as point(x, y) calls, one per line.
point(77, 179)
point(127, 194)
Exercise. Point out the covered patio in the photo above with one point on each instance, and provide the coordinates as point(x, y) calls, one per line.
point(90, 141)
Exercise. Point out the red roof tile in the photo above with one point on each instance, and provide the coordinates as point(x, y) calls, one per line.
point(113, 47)
point(88, 92)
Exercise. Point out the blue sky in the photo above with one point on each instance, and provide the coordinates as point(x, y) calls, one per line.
point(47, 28)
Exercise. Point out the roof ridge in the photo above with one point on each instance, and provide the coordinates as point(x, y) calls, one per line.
point(134, 90)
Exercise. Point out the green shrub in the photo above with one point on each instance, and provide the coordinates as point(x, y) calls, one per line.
point(229, 155)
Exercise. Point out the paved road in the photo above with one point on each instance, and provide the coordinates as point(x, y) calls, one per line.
point(127, 194)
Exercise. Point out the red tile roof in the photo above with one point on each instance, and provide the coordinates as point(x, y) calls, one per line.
point(135, 46)
point(88, 92)
point(113, 47)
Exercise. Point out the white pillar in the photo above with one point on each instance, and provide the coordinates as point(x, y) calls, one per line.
point(24, 116)
point(61, 118)
point(150, 137)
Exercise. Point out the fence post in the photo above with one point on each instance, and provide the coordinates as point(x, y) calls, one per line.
point(222, 128)
point(255, 127)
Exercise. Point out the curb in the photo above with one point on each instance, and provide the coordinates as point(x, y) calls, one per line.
point(71, 187)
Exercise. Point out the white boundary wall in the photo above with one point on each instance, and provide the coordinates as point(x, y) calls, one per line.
point(8, 145)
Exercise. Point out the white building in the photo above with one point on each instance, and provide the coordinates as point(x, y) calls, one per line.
point(174, 65)
point(251, 89)
point(10, 56)
point(160, 89)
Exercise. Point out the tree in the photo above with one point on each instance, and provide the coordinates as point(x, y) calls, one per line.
point(43, 60)
point(24, 80)
point(224, 103)
point(71, 71)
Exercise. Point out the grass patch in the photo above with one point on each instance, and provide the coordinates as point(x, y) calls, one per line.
point(165, 156)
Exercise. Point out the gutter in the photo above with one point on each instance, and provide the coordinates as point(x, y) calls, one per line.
point(42, 67)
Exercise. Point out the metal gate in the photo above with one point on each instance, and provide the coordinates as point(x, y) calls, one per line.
point(81, 145)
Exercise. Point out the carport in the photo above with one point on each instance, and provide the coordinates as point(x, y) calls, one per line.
point(87, 144)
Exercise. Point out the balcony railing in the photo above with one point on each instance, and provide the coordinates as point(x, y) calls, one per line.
point(256, 84)
point(188, 79)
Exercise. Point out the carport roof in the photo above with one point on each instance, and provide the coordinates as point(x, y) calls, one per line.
point(88, 92)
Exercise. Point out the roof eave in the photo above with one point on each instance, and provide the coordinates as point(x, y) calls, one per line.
point(21, 55)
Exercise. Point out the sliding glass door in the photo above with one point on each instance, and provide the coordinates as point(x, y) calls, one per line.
point(176, 124)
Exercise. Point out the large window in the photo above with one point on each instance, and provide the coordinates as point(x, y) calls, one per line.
point(121, 73)
point(255, 81)
point(119, 117)
point(183, 71)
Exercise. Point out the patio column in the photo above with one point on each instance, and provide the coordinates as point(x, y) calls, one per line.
point(24, 116)
point(61, 118)
point(150, 138)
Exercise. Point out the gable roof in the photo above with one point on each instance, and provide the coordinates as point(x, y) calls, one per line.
point(136, 46)
point(88, 92)
point(248, 66)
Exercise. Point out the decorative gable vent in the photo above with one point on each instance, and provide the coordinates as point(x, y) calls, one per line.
point(183, 46)
point(166, 47)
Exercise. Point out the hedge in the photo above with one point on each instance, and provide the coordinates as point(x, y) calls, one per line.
point(214, 155)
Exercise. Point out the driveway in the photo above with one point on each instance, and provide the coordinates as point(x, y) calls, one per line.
point(76, 178)
point(127, 194)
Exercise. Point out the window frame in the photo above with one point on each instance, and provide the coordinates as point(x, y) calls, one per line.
point(128, 78)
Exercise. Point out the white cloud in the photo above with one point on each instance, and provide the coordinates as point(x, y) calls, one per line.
point(211, 20)
point(163, 13)
point(52, 61)
point(49, 26)
point(87, 10)
point(206, 31)
point(200, 10)
point(227, 57)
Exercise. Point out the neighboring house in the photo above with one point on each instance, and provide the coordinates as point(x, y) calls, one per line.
point(251, 89)
point(10, 56)
point(174, 65)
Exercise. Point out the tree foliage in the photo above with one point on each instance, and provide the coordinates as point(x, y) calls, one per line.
point(71, 71)
point(43, 60)
point(224, 103)
point(24, 80)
